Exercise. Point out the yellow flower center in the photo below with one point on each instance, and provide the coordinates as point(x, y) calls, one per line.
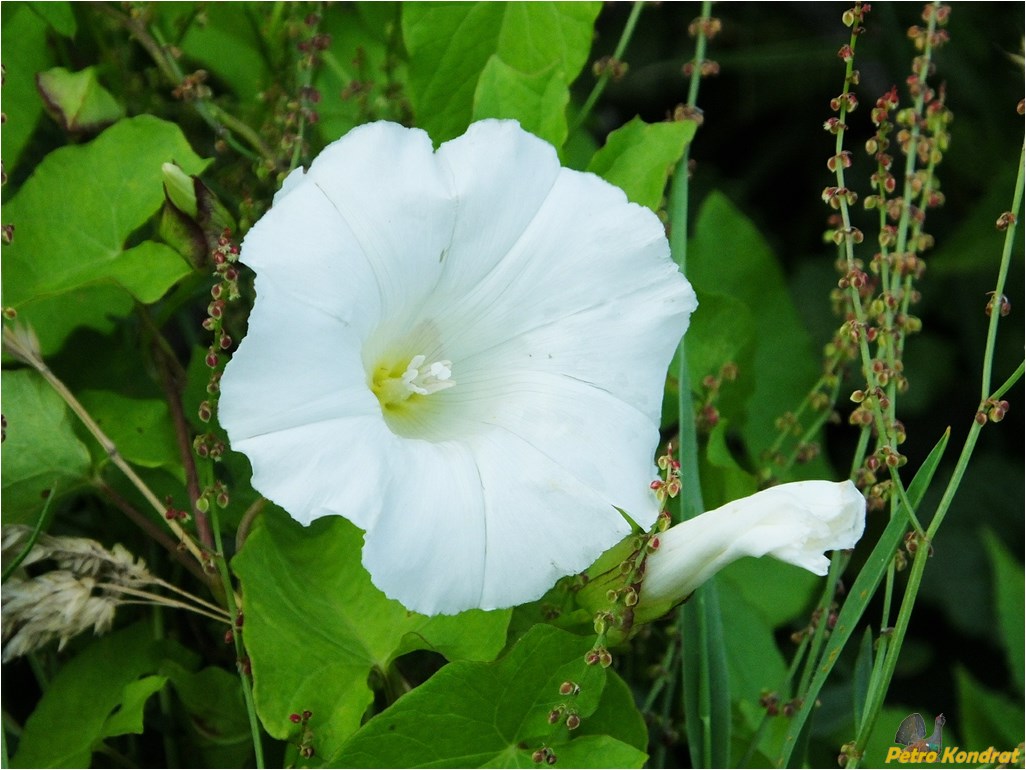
point(399, 386)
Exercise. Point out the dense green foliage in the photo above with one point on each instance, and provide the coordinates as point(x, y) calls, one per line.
point(109, 262)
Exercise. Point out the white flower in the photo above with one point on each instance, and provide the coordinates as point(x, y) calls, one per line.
point(462, 352)
point(794, 522)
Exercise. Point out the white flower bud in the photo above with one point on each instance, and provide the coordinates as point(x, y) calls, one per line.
point(794, 522)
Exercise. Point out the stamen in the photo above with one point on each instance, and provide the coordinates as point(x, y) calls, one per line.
point(419, 379)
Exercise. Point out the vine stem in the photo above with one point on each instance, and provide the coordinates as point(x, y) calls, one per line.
point(603, 81)
point(217, 118)
point(706, 694)
point(17, 347)
point(240, 648)
point(183, 437)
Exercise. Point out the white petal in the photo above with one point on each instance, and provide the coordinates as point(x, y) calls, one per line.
point(306, 251)
point(294, 399)
point(427, 548)
point(542, 522)
point(509, 523)
point(387, 185)
point(502, 176)
point(297, 366)
point(587, 434)
point(338, 467)
point(591, 294)
point(794, 522)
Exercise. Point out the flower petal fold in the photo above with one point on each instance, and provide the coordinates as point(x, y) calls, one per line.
point(793, 522)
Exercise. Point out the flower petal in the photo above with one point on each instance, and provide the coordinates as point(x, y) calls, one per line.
point(592, 294)
point(504, 538)
point(793, 522)
point(427, 548)
point(303, 417)
point(385, 182)
point(334, 467)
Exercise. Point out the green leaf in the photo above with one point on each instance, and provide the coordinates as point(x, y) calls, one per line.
point(73, 713)
point(217, 724)
point(728, 255)
point(987, 717)
point(1010, 603)
point(537, 100)
point(316, 627)
point(640, 156)
point(68, 264)
point(23, 40)
point(706, 678)
point(361, 66)
point(451, 43)
point(76, 100)
point(140, 428)
point(723, 479)
point(473, 714)
point(863, 678)
point(754, 662)
point(724, 330)
point(58, 15)
point(128, 717)
point(41, 448)
point(779, 592)
point(616, 716)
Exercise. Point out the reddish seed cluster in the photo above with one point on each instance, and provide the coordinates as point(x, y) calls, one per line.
point(854, 17)
point(193, 87)
point(599, 655)
point(174, 514)
point(708, 26)
point(706, 68)
point(544, 755)
point(1004, 306)
point(993, 410)
point(608, 65)
point(305, 744)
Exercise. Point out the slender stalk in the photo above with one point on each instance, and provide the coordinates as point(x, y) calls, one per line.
point(171, 756)
point(876, 696)
point(27, 549)
point(1006, 259)
point(183, 438)
point(603, 81)
point(704, 675)
point(223, 123)
point(17, 347)
point(240, 649)
point(151, 600)
point(159, 536)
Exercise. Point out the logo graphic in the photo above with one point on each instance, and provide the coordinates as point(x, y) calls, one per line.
point(920, 748)
point(912, 733)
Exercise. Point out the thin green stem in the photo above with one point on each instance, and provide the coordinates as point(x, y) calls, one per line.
point(1007, 384)
point(877, 693)
point(151, 598)
point(9, 569)
point(171, 756)
point(876, 696)
point(1006, 258)
point(600, 84)
point(240, 649)
point(16, 346)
